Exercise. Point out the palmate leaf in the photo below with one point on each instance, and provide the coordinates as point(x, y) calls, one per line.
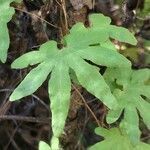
point(114, 139)
point(135, 85)
point(80, 44)
point(5, 17)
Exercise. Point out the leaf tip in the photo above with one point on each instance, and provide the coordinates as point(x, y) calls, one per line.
point(15, 96)
point(12, 99)
point(3, 59)
point(110, 120)
point(134, 42)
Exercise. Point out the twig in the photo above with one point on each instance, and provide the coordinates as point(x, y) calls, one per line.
point(41, 101)
point(26, 119)
point(33, 95)
point(4, 108)
point(11, 141)
point(11, 136)
point(63, 4)
point(93, 4)
point(31, 14)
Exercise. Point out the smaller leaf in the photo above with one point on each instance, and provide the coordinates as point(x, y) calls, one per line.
point(113, 138)
point(132, 86)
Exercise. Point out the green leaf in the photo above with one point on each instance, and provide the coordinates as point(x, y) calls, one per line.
point(44, 146)
point(114, 138)
point(129, 99)
point(82, 43)
point(5, 17)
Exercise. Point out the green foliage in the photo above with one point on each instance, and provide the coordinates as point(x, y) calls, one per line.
point(5, 17)
point(130, 88)
point(134, 85)
point(114, 139)
point(81, 44)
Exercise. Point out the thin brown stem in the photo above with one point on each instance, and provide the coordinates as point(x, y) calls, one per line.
point(31, 14)
point(87, 105)
point(63, 4)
